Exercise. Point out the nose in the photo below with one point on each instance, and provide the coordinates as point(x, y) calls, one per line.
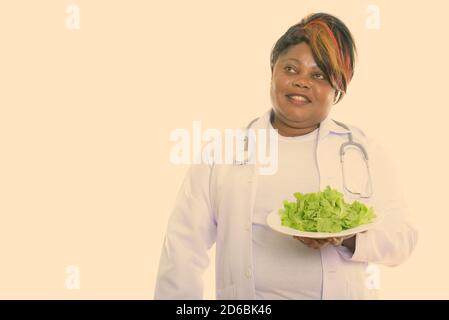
point(301, 82)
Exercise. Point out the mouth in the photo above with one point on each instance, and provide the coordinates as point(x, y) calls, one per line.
point(298, 99)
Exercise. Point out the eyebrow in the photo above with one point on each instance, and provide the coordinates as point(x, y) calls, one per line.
point(300, 62)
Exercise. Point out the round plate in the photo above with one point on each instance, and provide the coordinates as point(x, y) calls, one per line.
point(274, 222)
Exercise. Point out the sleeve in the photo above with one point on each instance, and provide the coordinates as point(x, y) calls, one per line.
point(190, 233)
point(392, 241)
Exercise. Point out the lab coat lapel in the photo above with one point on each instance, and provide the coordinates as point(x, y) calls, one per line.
point(330, 138)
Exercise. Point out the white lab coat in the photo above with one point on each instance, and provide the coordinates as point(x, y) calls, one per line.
point(222, 215)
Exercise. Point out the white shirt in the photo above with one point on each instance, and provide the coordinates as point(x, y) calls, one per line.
point(285, 268)
point(214, 203)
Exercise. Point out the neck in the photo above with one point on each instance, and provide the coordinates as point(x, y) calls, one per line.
point(288, 131)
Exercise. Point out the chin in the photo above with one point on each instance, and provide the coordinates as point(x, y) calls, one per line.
point(295, 114)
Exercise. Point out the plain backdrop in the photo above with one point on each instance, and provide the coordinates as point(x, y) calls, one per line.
point(86, 115)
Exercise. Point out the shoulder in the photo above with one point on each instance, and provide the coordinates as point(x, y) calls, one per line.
point(359, 134)
point(355, 129)
point(370, 142)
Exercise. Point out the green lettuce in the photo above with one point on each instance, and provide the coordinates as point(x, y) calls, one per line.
point(324, 211)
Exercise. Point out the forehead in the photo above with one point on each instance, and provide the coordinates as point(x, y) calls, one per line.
point(300, 54)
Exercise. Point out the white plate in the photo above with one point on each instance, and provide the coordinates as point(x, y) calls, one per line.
point(274, 222)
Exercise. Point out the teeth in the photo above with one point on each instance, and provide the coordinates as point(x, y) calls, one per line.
point(299, 98)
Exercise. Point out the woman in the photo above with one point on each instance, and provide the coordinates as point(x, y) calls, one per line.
point(312, 64)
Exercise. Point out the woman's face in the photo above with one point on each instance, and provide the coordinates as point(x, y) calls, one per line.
point(300, 93)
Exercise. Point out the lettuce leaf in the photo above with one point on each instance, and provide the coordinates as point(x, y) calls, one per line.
point(324, 211)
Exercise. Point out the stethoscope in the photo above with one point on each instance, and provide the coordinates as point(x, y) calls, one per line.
point(367, 191)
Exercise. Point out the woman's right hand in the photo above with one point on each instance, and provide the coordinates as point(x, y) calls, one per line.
point(313, 243)
point(321, 243)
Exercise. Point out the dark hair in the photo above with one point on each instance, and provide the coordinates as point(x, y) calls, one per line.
point(332, 46)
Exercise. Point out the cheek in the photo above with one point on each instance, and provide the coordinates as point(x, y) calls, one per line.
point(276, 89)
point(325, 95)
point(279, 86)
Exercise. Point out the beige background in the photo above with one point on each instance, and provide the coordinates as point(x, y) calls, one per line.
point(85, 118)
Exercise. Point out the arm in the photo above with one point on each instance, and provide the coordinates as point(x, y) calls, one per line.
point(392, 241)
point(191, 232)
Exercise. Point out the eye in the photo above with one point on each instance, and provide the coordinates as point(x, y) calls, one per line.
point(289, 68)
point(319, 76)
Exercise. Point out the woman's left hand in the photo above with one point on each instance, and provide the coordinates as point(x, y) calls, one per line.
point(321, 243)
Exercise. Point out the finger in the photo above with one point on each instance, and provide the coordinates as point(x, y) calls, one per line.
point(312, 243)
point(325, 243)
point(303, 240)
point(319, 243)
point(308, 242)
point(322, 242)
point(336, 241)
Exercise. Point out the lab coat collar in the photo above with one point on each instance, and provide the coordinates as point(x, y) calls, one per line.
point(327, 126)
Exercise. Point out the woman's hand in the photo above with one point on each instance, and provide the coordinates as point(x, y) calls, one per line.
point(335, 241)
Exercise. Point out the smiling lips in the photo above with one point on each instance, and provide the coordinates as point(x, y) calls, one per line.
point(298, 99)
